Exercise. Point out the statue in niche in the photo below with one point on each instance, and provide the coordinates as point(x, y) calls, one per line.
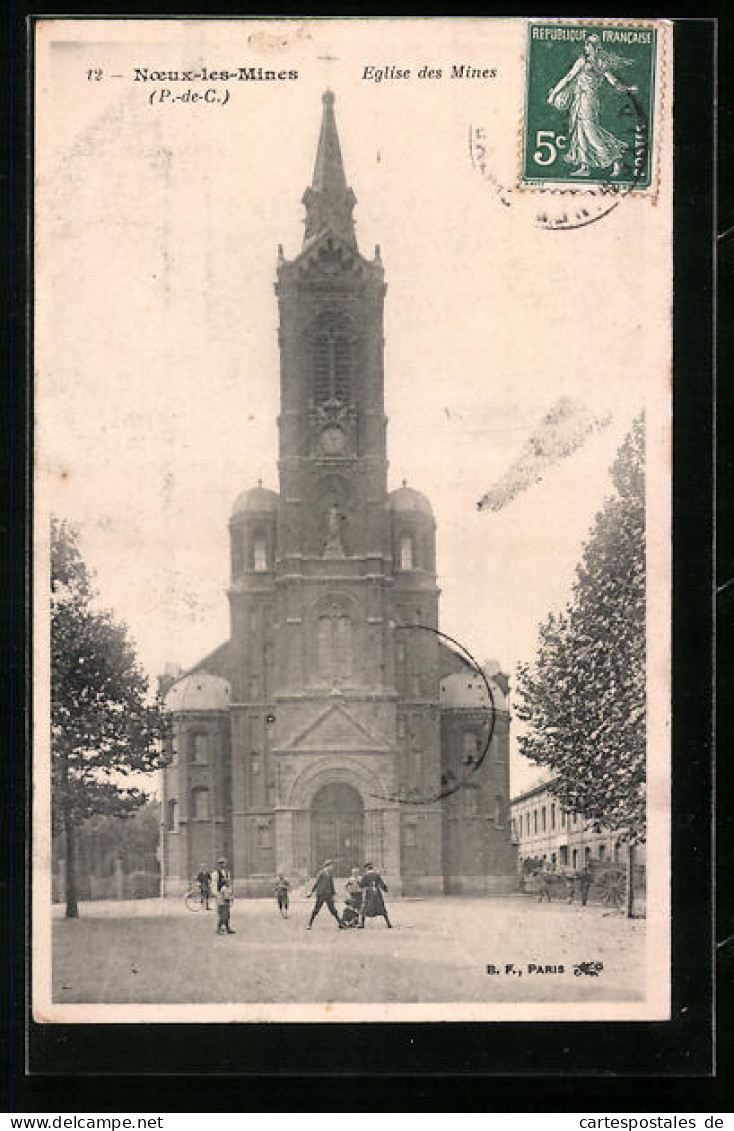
point(334, 547)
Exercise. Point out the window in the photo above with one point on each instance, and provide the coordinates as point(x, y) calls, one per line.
point(617, 848)
point(602, 851)
point(563, 851)
point(527, 824)
point(406, 552)
point(587, 854)
point(563, 818)
point(553, 816)
point(542, 814)
point(469, 748)
point(535, 820)
point(260, 554)
point(514, 829)
point(172, 816)
point(334, 645)
point(331, 365)
point(200, 748)
point(575, 858)
point(200, 804)
point(264, 836)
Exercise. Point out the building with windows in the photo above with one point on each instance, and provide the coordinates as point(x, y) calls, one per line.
point(543, 830)
point(336, 722)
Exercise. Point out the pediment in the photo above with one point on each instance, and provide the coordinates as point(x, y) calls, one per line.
point(337, 729)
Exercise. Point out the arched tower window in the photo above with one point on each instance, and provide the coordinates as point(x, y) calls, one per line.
point(406, 552)
point(332, 364)
point(260, 553)
point(200, 748)
point(334, 645)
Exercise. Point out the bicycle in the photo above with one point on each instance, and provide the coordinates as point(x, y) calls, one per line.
point(195, 900)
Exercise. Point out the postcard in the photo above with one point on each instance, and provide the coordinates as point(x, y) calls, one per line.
point(352, 397)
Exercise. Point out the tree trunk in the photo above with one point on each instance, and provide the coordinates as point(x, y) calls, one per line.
point(72, 903)
point(630, 901)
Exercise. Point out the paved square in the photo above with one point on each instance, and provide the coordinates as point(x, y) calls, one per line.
point(155, 951)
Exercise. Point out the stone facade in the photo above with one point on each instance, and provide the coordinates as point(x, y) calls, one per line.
point(332, 723)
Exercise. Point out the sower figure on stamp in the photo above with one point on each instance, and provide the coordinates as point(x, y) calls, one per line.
point(222, 881)
point(373, 903)
point(577, 95)
point(324, 890)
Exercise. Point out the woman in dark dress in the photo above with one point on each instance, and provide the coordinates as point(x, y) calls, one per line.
point(373, 904)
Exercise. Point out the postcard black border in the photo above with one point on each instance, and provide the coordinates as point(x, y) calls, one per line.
point(138, 1068)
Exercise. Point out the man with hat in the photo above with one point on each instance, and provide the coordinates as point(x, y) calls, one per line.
point(324, 890)
point(373, 903)
point(222, 883)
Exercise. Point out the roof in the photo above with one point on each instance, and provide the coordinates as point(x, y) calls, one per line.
point(408, 499)
point(199, 691)
point(329, 201)
point(257, 500)
point(534, 791)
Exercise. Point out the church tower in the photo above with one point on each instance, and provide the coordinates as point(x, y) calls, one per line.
point(333, 742)
point(353, 733)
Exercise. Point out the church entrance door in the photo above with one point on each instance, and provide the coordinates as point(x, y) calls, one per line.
point(337, 828)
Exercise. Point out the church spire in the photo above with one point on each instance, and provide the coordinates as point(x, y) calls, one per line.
point(329, 202)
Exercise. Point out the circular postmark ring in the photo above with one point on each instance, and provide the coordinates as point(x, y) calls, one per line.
point(448, 788)
point(599, 193)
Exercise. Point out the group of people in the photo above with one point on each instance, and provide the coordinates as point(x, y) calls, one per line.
point(363, 895)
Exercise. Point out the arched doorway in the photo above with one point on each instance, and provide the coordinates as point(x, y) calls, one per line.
point(337, 828)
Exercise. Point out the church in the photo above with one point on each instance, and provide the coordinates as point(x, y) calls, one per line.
point(336, 722)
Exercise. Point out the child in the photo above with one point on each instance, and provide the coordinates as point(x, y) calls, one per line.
point(282, 886)
point(353, 907)
point(222, 878)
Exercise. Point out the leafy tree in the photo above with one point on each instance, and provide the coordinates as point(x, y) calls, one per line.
point(103, 727)
point(584, 699)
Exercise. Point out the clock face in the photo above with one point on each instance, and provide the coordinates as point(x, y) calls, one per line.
point(333, 441)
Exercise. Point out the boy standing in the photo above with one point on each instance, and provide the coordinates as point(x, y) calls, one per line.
point(222, 878)
point(282, 886)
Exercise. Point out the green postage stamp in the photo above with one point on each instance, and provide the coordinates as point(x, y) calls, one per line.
point(589, 104)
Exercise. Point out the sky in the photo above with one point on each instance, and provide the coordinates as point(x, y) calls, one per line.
point(156, 386)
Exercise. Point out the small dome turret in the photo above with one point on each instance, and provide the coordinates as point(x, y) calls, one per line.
point(198, 691)
point(256, 501)
point(408, 500)
point(467, 690)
